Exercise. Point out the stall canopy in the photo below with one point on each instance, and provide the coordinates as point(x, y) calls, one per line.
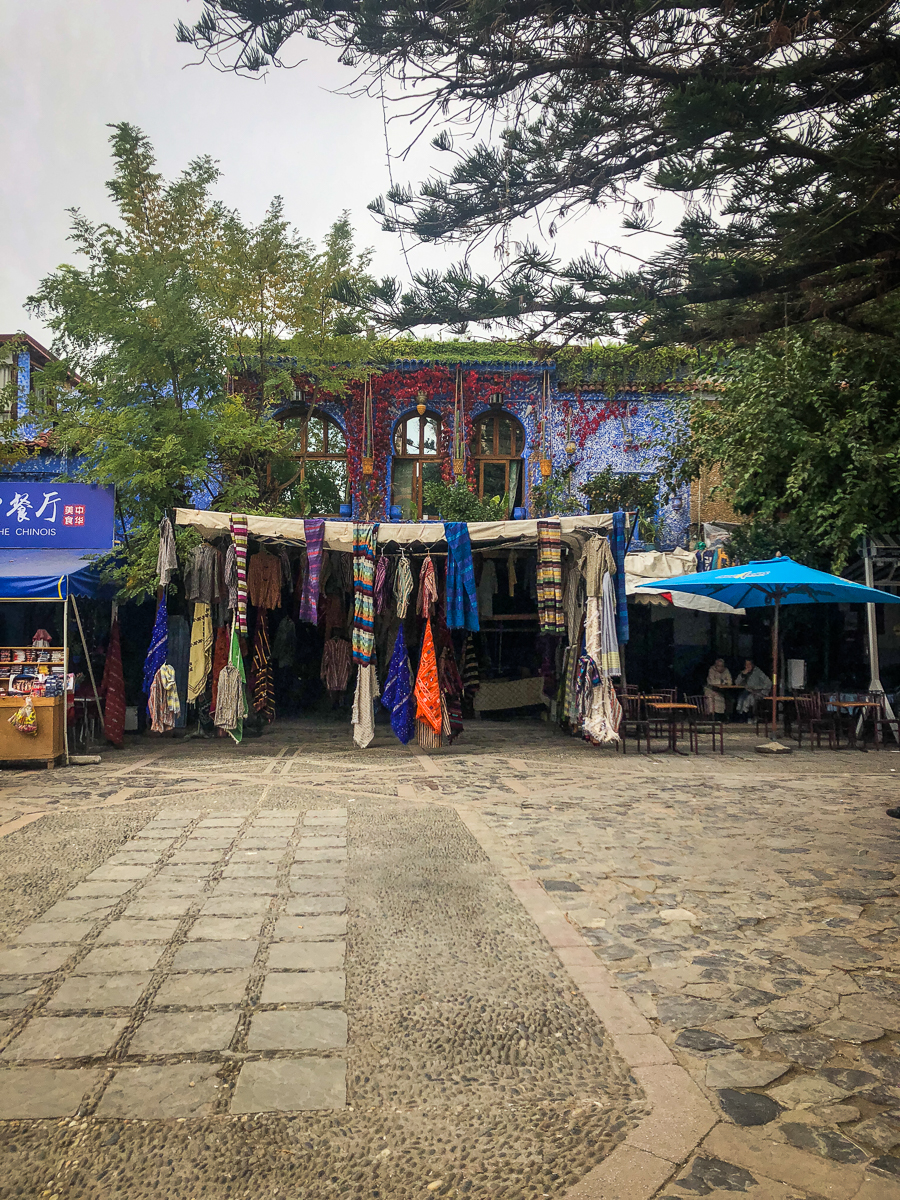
point(48, 574)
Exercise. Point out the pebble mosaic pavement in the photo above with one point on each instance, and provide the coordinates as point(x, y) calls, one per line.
point(181, 920)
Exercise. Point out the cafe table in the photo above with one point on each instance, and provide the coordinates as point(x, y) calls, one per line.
point(672, 712)
point(847, 706)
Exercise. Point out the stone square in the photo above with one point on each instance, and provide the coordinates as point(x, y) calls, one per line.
point(27, 960)
point(221, 928)
point(290, 1086)
point(309, 928)
point(251, 886)
point(325, 814)
point(336, 822)
point(311, 1029)
point(308, 905)
point(304, 987)
point(134, 858)
point(219, 823)
point(327, 885)
point(236, 906)
point(18, 993)
point(306, 855)
point(101, 991)
point(262, 842)
point(319, 870)
point(49, 932)
point(185, 871)
point(65, 1037)
point(171, 887)
point(78, 910)
point(208, 841)
point(146, 844)
point(161, 1093)
point(161, 908)
point(135, 930)
point(112, 960)
point(100, 887)
point(109, 874)
point(184, 1033)
point(214, 956)
point(198, 989)
point(320, 841)
point(245, 870)
point(42, 1092)
point(306, 956)
point(197, 857)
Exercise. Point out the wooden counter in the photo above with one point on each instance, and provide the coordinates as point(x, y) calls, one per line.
point(48, 745)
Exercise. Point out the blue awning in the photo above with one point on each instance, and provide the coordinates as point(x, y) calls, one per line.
point(48, 574)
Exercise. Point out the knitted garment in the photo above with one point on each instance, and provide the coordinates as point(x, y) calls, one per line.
point(159, 644)
point(201, 579)
point(201, 652)
point(231, 701)
point(550, 600)
point(428, 590)
point(596, 561)
point(618, 549)
point(239, 538)
point(462, 601)
point(264, 580)
point(427, 689)
point(163, 706)
point(363, 585)
point(231, 579)
point(335, 669)
point(381, 578)
point(398, 692)
point(166, 562)
point(403, 586)
point(261, 668)
point(112, 689)
point(314, 532)
point(363, 716)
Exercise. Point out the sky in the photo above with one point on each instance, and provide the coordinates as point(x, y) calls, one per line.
point(73, 68)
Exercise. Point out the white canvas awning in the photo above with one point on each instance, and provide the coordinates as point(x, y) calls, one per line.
point(650, 565)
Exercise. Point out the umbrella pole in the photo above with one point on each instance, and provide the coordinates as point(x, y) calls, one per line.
point(775, 667)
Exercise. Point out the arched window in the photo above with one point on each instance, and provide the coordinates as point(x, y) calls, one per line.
point(316, 472)
point(498, 444)
point(417, 461)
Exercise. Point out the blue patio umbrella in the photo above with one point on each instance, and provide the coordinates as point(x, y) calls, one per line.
point(769, 584)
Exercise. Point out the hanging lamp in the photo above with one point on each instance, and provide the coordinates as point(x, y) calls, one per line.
point(459, 431)
point(546, 460)
point(368, 454)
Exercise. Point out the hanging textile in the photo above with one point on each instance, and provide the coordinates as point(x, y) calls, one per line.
point(286, 574)
point(398, 692)
point(573, 598)
point(618, 547)
point(451, 693)
point(264, 580)
point(163, 705)
point(314, 532)
point(201, 579)
point(363, 716)
point(166, 562)
point(381, 580)
point(549, 581)
point(596, 561)
point(610, 663)
point(427, 689)
point(231, 579)
point(403, 585)
point(336, 663)
point(159, 644)
point(284, 647)
point(220, 658)
point(239, 540)
point(201, 652)
point(112, 689)
point(178, 656)
point(231, 700)
point(462, 601)
point(487, 588)
point(599, 707)
point(428, 589)
point(470, 674)
point(263, 683)
point(363, 585)
point(511, 573)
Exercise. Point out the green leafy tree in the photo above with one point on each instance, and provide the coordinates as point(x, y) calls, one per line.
point(556, 495)
point(777, 127)
point(163, 304)
point(609, 490)
point(458, 502)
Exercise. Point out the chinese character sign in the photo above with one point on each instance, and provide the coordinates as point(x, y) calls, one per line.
point(70, 515)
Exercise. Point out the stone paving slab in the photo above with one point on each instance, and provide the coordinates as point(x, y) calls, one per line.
point(312, 1029)
point(154, 1093)
point(51, 932)
point(304, 987)
point(45, 1092)
point(65, 1037)
point(290, 1086)
point(183, 1033)
point(197, 989)
point(101, 991)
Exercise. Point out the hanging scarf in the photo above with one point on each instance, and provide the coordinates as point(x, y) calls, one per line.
point(363, 716)
point(462, 601)
point(314, 532)
point(220, 658)
point(428, 590)
point(112, 689)
point(231, 701)
point(618, 548)
point(239, 540)
point(381, 579)
point(427, 689)
point(470, 675)
point(159, 644)
point(201, 652)
point(363, 585)
point(398, 695)
point(178, 656)
point(166, 562)
point(610, 663)
point(549, 578)
point(163, 704)
point(403, 586)
point(231, 582)
point(261, 670)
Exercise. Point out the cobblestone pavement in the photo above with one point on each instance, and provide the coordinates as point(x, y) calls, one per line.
point(518, 967)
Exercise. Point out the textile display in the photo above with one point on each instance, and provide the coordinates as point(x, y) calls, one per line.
point(619, 542)
point(427, 689)
point(610, 662)
point(428, 588)
point(363, 716)
point(451, 693)
point(163, 705)
point(403, 586)
point(381, 581)
point(573, 598)
point(239, 539)
point(159, 645)
point(549, 578)
point(166, 562)
point(231, 701)
point(261, 666)
point(599, 707)
point(363, 586)
point(231, 580)
point(314, 532)
point(487, 588)
point(112, 689)
point(201, 652)
point(286, 573)
point(264, 580)
point(471, 676)
point(336, 664)
point(202, 578)
point(511, 573)
point(462, 600)
point(284, 647)
point(178, 656)
point(398, 691)
point(220, 658)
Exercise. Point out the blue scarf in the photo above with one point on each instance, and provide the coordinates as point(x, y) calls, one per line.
point(397, 694)
point(462, 603)
point(159, 645)
point(618, 549)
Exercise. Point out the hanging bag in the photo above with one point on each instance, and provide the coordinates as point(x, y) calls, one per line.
point(25, 719)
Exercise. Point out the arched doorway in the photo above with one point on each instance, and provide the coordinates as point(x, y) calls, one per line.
point(498, 447)
point(417, 461)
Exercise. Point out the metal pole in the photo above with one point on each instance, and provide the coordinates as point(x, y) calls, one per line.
point(66, 672)
point(775, 666)
point(87, 658)
point(872, 631)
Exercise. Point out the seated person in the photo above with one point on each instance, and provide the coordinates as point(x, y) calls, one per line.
point(756, 684)
point(718, 676)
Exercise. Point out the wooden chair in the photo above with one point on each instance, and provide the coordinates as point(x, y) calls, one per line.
point(634, 721)
point(704, 721)
point(812, 717)
point(878, 722)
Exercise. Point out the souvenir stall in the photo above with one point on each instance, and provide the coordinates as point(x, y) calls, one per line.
point(417, 618)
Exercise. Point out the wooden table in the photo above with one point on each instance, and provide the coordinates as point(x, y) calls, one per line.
point(48, 745)
point(671, 710)
point(848, 706)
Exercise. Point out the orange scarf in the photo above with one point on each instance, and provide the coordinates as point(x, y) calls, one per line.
point(428, 692)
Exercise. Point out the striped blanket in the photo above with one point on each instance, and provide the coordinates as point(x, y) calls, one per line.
point(363, 589)
point(549, 578)
point(314, 532)
point(239, 539)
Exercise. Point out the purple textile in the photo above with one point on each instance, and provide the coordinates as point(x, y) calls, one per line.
point(314, 529)
point(159, 645)
point(398, 696)
point(381, 580)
